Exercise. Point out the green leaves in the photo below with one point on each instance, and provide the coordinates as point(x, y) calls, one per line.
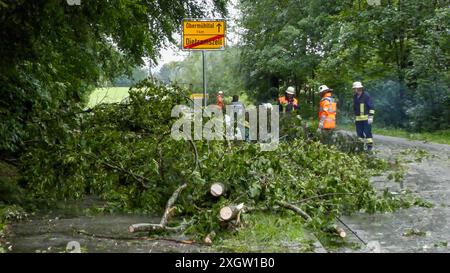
point(55, 53)
point(123, 154)
point(399, 49)
point(255, 190)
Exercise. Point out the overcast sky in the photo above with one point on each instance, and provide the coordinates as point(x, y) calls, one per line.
point(174, 53)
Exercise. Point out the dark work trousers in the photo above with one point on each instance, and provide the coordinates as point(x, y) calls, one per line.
point(364, 131)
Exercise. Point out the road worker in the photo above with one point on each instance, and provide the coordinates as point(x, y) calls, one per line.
point(288, 103)
point(327, 111)
point(219, 100)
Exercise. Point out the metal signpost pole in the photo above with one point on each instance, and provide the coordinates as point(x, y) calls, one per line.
point(205, 99)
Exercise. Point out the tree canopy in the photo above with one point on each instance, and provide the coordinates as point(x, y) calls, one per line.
point(53, 54)
point(399, 49)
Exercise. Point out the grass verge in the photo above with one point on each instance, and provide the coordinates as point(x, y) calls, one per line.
point(108, 95)
point(267, 233)
point(442, 136)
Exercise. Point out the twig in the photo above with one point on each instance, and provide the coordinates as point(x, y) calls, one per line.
point(161, 165)
point(137, 177)
point(102, 236)
point(250, 209)
point(197, 163)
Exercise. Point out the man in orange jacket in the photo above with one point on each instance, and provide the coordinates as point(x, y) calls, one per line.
point(288, 103)
point(327, 112)
point(219, 100)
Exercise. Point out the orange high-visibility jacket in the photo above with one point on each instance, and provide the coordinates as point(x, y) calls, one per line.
point(327, 112)
point(219, 102)
point(287, 106)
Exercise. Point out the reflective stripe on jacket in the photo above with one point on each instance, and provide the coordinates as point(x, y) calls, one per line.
point(363, 107)
point(327, 112)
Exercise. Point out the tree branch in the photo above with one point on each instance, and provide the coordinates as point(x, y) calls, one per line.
point(170, 203)
point(162, 226)
point(295, 209)
point(158, 227)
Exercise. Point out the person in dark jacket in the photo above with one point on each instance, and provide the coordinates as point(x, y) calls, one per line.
point(364, 112)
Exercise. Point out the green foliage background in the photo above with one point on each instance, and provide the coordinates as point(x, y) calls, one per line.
point(399, 49)
point(53, 54)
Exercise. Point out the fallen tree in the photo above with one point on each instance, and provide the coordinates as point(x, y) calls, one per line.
point(124, 153)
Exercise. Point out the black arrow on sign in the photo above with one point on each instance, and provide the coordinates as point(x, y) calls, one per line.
point(218, 27)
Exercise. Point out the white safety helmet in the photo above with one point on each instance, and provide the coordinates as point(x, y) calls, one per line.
point(324, 88)
point(290, 90)
point(357, 85)
point(220, 93)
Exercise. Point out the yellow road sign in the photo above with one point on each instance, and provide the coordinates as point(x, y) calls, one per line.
point(196, 96)
point(204, 34)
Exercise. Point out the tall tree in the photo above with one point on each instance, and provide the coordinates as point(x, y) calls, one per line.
point(393, 46)
point(53, 52)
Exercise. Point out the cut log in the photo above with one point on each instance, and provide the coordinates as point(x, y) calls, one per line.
point(210, 237)
point(341, 232)
point(230, 212)
point(217, 189)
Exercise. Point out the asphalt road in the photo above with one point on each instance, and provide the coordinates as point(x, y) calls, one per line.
point(417, 229)
point(428, 179)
